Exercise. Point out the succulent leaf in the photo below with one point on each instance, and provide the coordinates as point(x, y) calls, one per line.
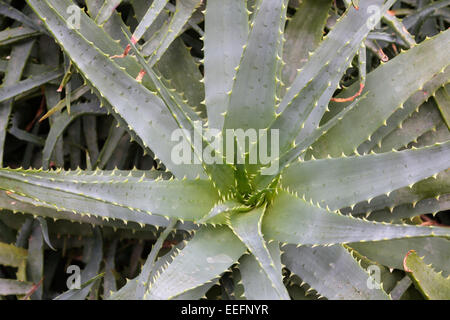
point(381, 101)
point(257, 285)
point(391, 252)
point(211, 252)
point(226, 34)
point(289, 218)
point(247, 227)
point(253, 95)
point(321, 265)
point(381, 173)
point(137, 194)
point(432, 284)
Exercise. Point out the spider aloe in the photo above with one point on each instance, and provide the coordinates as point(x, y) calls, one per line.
point(333, 204)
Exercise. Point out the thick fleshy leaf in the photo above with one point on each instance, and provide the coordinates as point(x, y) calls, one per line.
point(399, 28)
point(11, 91)
point(425, 119)
point(221, 212)
point(247, 227)
point(253, 96)
point(226, 31)
point(178, 65)
point(296, 221)
point(432, 284)
point(148, 117)
point(423, 12)
point(391, 252)
point(425, 206)
point(104, 37)
point(433, 187)
point(179, 109)
point(210, 253)
point(295, 153)
point(113, 25)
point(328, 181)
point(128, 291)
point(86, 193)
point(303, 35)
point(106, 10)
point(332, 272)
point(442, 98)
point(149, 266)
point(102, 217)
point(62, 230)
point(306, 100)
point(190, 123)
point(381, 276)
point(257, 285)
point(169, 31)
point(407, 73)
point(12, 35)
point(397, 119)
point(82, 292)
point(149, 18)
point(439, 134)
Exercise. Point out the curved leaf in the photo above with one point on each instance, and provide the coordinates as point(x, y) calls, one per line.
point(257, 284)
point(211, 252)
point(143, 111)
point(253, 96)
point(432, 284)
point(294, 220)
point(391, 252)
point(89, 194)
point(328, 181)
point(226, 31)
point(247, 227)
point(60, 124)
point(407, 73)
point(332, 272)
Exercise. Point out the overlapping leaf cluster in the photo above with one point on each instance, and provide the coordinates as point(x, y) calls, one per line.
point(358, 92)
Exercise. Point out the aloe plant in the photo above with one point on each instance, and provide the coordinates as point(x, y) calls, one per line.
point(344, 180)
